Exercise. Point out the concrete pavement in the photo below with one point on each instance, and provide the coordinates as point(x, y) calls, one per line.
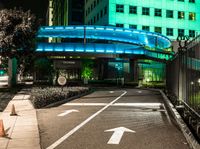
point(22, 130)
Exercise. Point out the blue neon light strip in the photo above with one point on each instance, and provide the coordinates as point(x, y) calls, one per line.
point(100, 48)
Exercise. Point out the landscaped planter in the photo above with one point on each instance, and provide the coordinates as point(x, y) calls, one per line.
point(42, 97)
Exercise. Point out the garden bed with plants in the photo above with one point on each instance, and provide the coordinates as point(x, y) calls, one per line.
point(42, 97)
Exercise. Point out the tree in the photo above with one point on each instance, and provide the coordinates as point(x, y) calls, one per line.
point(17, 37)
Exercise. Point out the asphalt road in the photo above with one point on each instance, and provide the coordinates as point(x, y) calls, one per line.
point(111, 119)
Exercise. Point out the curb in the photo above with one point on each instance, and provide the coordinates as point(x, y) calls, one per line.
point(184, 128)
point(66, 100)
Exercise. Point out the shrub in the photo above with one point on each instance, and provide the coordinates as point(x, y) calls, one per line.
point(42, 97)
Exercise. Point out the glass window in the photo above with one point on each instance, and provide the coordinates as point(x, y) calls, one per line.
point(158, 12)
point(192, 16)
point(145, 11)
point(133, 26)
point(105, 10)
point(191, 33)
point(170, 32)
point(91, 7)
point(181, 0)
point(192, 1)
point(98, 17)
point(169, 14)
point(181, 15)
point(146, 28)
point(158, 30)
point(94, 19)
point(101, 13)
point(94, 3)
point(132, 9)
point(119, 25)
point(119, 8)
point(181, 32)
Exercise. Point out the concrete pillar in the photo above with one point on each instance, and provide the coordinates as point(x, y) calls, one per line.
point(133, 70)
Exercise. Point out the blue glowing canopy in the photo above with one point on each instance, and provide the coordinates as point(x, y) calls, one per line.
point(132, 36)
point(118, 41)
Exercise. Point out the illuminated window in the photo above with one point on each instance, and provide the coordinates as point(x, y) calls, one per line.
point(119, 8)
point(181, 32)
point(169, 14)
point(119, 25)
point(145, 11)
point(181, 15)
point(146, 28)
point(133, 26)
point(132, 9)
point(192, 1)
point(192, 33)
point(158, 30)
point(169, 32)
point(192, 16)
point(158, 12)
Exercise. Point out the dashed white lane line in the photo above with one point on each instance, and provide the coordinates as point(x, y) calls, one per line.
point(58, 142)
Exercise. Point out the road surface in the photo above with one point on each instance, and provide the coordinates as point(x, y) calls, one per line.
point(111, 119)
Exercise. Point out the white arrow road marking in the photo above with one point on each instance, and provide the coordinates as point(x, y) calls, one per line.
point(63, 138)
point(117, 135)
point(68, 112)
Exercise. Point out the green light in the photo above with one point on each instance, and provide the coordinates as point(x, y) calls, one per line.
point(2, 72)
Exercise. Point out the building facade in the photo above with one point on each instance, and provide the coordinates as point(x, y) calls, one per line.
point(168, 17)
point(66, 12)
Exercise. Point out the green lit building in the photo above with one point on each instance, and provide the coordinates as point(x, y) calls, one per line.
point(168, 17)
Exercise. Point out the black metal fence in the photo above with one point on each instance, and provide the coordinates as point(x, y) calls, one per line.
point(183, 81)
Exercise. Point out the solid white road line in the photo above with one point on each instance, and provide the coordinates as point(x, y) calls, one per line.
point(116, 104)
point(85, 104)
point(58, 142)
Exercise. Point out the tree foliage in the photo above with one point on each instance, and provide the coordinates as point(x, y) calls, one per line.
point(17, 32)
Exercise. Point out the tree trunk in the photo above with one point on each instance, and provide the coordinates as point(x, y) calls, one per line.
point(12, 72)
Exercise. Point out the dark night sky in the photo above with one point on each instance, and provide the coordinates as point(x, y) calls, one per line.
point(38, 7)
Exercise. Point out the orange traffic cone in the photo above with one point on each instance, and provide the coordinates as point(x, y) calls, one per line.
point(13, 112)
point(2, 131)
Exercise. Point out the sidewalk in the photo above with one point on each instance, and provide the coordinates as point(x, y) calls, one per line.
point(22, 130)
